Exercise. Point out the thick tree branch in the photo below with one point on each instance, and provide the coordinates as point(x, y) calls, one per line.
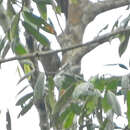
point(91, 10)
point(95, 9)
point(40, 104)
point(77, 23)
point(87, 47)
point(106, 5)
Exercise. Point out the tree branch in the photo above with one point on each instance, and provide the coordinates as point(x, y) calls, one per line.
point(76, 24)
point(91, 10)
point(87, 47)
point(106, 5)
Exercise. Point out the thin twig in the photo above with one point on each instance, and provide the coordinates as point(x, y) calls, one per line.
point(99, 39)
point(57, 17)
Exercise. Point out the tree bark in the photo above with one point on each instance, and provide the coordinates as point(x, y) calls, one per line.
point(80, 14)
point(86, 12)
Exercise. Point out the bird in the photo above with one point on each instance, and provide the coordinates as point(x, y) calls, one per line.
point(51, 62)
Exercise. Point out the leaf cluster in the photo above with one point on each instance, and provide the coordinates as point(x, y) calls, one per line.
point(78, 102)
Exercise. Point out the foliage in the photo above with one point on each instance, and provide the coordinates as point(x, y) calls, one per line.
point(79, 102)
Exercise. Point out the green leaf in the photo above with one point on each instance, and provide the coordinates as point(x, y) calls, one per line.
point(106, 106)
point(39, 37)
point(124, 39)
point(43, 1)
point(67, 82)
point(120, 65)
point(39, 88)
point(76, 108)
point(28, 62)
point(1, 1)
point(5, 50)
point(112, 100)
point(18, 48)
point(51, 95)
point(8, 35)
point(128, 108)
point(28, 68)
point(39, 22)
point(64, 114)
point(23, 99)
point(128, 7)
point(62, 101)
point(27, 75)
point(63, 81)
point(42, 9)
point(22, 90)
point(26, 108)
point(28, 16)
point(110, 124)
point(98, 82)
point(125, 21)
point(104, 28)
point(14, 27)
point(116, 24)
point(28, 71)
point(109, 83)
point(47, 1)
point(103, 125)
point(19, 72)
point(123, 66)
point(2, 43)
point(58, 9)
point(112, 83)
point(10, 9)
point(8, 120)
point(73, 108)
point(83, 89)
point(13, 1)
point(69, 120)
point(91, 104)
point(125, 84)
